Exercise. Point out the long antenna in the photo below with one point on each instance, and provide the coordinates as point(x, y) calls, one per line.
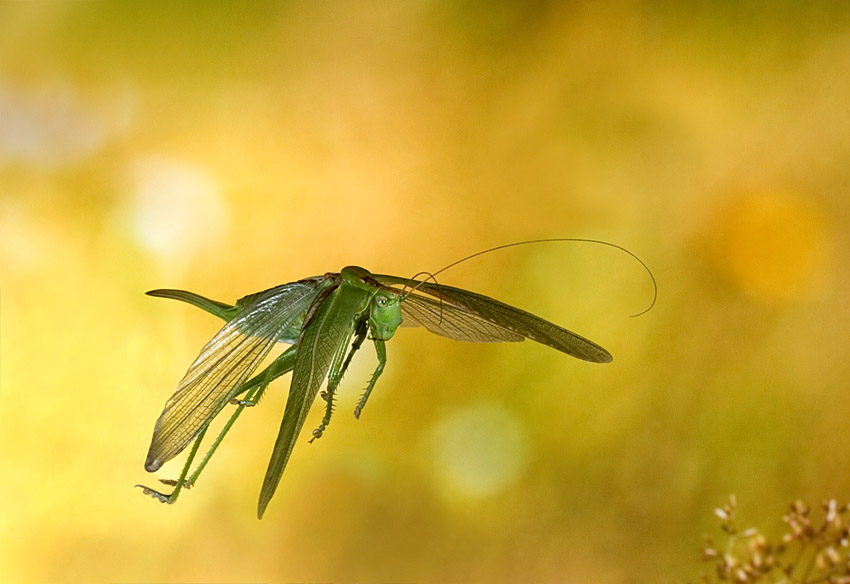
point(576, 239)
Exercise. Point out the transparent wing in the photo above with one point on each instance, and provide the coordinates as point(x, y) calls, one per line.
point(448, 321)
point(498, 315)
point(225, 363)
point(328, 326)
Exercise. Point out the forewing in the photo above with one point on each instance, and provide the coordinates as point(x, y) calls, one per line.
point(219, 309)
point(498, 315)
point(224, 364)
point(327, 327)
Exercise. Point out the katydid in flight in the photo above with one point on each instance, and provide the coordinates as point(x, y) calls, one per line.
point(326, 319)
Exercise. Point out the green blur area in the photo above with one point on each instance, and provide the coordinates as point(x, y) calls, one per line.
point(225, 148)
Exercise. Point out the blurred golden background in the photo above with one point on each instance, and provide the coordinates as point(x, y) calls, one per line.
point(225, 148)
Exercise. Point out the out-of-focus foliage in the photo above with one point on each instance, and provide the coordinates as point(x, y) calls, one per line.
point(226, 147)
point(812, 550)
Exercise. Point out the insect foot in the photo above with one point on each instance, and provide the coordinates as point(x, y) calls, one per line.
point(317, 433)
point(187, 484)
point(156, 494)
point(243, 402)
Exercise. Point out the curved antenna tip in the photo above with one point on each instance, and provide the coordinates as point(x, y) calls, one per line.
point(578, 239)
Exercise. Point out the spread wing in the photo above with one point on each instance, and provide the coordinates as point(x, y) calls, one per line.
point(467, 316)
point(225, 363)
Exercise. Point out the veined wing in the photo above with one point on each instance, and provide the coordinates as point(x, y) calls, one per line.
point(327, 326)
point(446, 320)
point(225, 363)
point(479, 309)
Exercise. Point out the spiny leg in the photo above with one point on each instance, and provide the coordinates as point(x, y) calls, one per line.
point(178, 484)
point(362, 329)
point(280, 366)
point(381, 350)
point(251, 399)
point(333, 381)
point(255, 388)
point(336, 373)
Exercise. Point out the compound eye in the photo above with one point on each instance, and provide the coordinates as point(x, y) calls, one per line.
point(382, 301)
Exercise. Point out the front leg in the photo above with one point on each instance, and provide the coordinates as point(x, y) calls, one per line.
point(381, 350)
point(338, 369)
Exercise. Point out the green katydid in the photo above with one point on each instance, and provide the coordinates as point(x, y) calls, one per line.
point(326, 319)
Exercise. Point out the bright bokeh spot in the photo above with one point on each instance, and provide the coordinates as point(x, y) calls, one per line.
point(774, 245)
point(52, 125)
point(479, 450)
point(177, 207)
point(23, 243)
